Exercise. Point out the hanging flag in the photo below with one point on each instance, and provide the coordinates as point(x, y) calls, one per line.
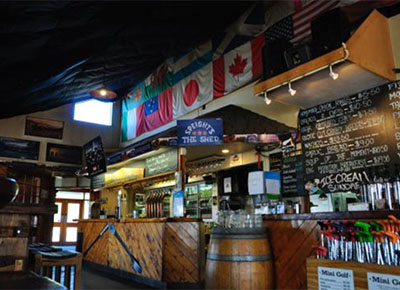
point(154, 112)
point(149, 105)
point(297, 27)
point(192, 80)
point(246, 27)
point(193, 91)
point(238, 67)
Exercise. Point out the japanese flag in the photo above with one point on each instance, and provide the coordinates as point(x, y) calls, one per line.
point(193, 91)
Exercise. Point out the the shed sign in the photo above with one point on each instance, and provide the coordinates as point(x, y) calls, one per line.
point(200, 132)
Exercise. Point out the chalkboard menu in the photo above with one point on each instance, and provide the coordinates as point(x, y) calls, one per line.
point(161, 163)
point(275, 162)
point(345, 141)
point(292, 175)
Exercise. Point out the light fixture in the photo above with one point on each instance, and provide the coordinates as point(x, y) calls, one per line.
point(266, 99)
point(225, 151)
point(332, 74)
point(103, 94)
point(291, 91)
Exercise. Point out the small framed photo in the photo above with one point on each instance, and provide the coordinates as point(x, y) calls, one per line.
point(64, 153)
point(18, 148)
point(44, 128)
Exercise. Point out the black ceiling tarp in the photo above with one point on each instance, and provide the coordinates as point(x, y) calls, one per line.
point(55, 52)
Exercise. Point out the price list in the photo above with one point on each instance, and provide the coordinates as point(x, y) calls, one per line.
point(292, 175)
point(335, 279)
point(343, 138)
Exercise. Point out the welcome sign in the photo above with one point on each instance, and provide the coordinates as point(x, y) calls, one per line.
point(200, 132)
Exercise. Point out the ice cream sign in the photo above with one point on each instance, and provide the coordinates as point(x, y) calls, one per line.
point(200, 132)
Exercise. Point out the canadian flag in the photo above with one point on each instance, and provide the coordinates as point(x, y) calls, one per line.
point(238, 67)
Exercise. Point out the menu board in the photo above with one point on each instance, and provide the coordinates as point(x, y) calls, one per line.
point(348, 141)
point(292, 176)
point(164, 162)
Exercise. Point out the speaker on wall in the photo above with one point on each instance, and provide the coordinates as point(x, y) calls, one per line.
point(273, 57)
point(297, 55)
point(329, 31)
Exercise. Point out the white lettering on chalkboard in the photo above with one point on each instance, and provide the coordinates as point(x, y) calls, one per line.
point(393, 85)
point(350, 135)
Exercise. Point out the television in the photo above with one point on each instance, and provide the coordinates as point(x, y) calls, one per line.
point(95, 157)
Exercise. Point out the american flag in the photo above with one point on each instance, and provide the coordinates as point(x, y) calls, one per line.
point(297, 27)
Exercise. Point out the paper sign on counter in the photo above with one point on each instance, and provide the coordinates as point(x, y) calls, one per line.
point(334, 278)
point(378, 281)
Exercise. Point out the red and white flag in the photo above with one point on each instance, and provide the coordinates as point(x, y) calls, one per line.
point(238, 67)
point(305, 14)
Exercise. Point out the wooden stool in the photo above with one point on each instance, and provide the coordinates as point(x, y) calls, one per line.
point(58, 260)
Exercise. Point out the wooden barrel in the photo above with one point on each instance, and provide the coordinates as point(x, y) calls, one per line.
point(239, 259)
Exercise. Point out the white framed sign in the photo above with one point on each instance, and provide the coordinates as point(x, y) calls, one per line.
point(379, 281)
point(335, 278)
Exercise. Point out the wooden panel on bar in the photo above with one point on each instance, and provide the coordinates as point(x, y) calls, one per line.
point(181, 248)
point(144, 240)
point(359, 271)
point(98, 253)
point(168, 250)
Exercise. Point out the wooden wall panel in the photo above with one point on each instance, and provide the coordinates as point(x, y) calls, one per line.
point(8, 223)
point(183, 253)
point(98, 253)
point(144, 240)
point(291, 243)
point(17, 247)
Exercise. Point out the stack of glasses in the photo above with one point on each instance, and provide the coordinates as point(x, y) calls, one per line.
point(238, 219)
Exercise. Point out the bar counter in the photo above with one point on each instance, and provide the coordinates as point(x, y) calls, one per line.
point(169, 250)
point(293, 235)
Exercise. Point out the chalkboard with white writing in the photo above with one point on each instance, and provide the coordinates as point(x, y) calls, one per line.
point(348, 141)
point(292, 175)
point(161, 163)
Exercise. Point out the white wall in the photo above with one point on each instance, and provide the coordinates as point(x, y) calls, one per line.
point(75, 132)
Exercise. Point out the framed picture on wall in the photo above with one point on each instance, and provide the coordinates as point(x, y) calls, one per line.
point(64, 153)
point(18, 148)
point(44, 128)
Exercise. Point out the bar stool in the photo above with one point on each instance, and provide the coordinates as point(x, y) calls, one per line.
point(66, 265)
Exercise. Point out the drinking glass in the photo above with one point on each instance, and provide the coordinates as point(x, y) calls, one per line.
point(249, 222)
point(258, 221)
point(240, 220)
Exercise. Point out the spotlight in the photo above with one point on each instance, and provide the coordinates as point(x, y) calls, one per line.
point(291, 91)
point(332, 74)
point(266, 99)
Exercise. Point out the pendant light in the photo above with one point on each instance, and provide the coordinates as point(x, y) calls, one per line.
point(103, 93)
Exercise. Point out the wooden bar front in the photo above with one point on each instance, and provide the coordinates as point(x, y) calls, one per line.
point(168, 250)
point(292, 237)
